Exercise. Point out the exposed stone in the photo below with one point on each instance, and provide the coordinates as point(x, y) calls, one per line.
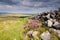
point(56, 25)
point(50, 23)
point(46, 36)
point(35, 34)
point(48, 16)
point(29, 33)
point(57, 32)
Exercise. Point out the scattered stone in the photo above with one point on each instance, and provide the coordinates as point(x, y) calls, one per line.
point(50, 23)
point(46, 36)
point(29, 33)
point(35, 34)
point(50, 19)
point(57, 32)
point(48, 16)
point(56, 25)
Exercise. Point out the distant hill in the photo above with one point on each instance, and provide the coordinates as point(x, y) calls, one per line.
point(13, 14)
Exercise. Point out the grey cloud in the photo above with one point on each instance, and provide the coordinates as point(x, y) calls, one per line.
point(9, 2)
point(29, 5)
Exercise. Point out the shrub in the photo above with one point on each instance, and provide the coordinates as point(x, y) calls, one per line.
point(32, 24)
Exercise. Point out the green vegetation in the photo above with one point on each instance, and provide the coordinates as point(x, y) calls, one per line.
point(12, 29)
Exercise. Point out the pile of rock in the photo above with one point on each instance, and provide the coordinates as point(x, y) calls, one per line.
point(51, 19)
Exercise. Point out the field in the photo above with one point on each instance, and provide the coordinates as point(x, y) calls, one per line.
point(12, 28)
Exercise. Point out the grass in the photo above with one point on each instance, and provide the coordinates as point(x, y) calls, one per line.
point(12, 29)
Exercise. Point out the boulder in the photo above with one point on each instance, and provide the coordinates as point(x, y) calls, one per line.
point(56, 25)
point(32, 35)
point(50, 23)
point(35, 34)
point(57, 32)
point(48, 16)
point(29, 33)
point(46, 36)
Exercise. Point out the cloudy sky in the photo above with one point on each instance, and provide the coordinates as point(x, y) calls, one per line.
point(28, 6)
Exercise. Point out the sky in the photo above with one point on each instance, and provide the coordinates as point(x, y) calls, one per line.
point(28, 6)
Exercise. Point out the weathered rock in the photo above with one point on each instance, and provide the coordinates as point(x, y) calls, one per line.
point(35, 34)
point(48, 16)
point(32, 34)
point(29, 33)
point(57, 32)
point(56, 25)
point(46, 36)
point(50, 23)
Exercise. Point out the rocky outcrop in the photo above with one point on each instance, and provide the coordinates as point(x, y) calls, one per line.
point(45, 26)
point(51, 19)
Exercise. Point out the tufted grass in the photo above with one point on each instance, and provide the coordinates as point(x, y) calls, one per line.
point(12, 29)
